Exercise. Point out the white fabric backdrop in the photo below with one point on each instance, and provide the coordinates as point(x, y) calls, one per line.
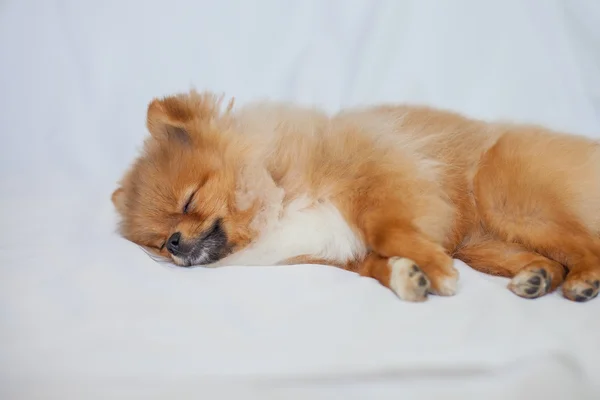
point(85, 314)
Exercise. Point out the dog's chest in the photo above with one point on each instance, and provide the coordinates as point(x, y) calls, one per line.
point(316, 230)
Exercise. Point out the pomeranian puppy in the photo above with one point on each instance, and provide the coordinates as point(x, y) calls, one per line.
point(390, 192)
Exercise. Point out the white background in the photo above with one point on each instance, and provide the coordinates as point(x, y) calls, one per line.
point(85, 314)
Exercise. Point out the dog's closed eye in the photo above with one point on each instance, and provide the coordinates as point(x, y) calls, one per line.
point(188, 203)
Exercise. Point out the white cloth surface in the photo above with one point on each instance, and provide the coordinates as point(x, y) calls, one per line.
point(85, 314)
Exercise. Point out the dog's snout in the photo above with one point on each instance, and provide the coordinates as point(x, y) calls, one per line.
point(173, 242)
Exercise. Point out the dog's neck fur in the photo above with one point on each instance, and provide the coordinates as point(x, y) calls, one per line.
point(294, 218)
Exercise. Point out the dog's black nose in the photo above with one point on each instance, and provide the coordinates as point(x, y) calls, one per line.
point(173, 242)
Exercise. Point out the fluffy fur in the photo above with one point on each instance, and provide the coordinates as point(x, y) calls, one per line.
point(391, 192)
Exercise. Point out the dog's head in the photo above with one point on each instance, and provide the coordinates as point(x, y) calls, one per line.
point(180, 199)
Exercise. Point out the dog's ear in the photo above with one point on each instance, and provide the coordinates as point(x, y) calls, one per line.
point(166, 119)
point(181, 117)
point(118, 199)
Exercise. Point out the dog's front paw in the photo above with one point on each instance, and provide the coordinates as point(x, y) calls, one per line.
point(407, 280)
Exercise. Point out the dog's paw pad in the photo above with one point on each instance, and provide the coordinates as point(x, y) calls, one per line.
point(531, 283)
point(407, 280)
point(581, 291)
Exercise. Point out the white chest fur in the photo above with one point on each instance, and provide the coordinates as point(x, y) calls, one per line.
point(304, 229)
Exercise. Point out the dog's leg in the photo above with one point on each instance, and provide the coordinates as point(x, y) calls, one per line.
point(583, 280)
point(565, 243)
point(402, 275)
point(306, 259)
point(533, 275)
point(525, 198)
point(578, 253)
point(401, 255)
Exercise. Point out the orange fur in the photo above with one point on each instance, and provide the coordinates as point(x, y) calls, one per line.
point(415, 185)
